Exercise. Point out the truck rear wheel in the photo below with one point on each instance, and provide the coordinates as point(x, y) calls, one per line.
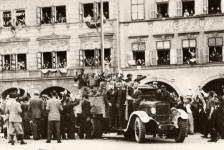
point(139, 130)
point(182, 131)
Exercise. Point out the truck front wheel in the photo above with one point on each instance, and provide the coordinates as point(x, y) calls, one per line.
point(139, 130)
point(182, 131)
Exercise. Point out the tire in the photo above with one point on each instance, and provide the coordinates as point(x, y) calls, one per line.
point(139, 130)
point(182, 131)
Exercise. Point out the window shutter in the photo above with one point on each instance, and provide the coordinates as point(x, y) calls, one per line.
point(53, 14)
point(154, 58)
point(1, 62)
point(13, 61)
point(38, 15)
point(197, 55)
point(153, 9)
point(179, 8)
point(130, 59)
point(81, 58)
point(205, 6)
point(206, 55)
point(95, 11)
point(81, 12)
point(39, 60)
point(53, 59)
point(13, 20)
point(179, 56)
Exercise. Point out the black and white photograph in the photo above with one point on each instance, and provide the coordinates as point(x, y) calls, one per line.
point(111, 74)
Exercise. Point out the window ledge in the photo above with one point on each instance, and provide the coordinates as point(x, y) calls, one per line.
point(202, 16)
point(176, 66)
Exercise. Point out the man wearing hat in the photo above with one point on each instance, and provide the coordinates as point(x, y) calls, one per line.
point(35, 108)
point(13, 109)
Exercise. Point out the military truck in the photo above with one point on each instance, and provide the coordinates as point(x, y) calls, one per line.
point(152, 117)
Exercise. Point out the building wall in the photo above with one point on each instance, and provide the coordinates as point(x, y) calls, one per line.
point(182, 77)
point(74, 30)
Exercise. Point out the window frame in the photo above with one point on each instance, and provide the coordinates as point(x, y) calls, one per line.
point(143, 3)
point(215, 41)
point(163, 41)
point(138, 43)
point(182, 46)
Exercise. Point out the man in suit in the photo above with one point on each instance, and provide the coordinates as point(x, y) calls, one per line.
point(120, 105)
point(13, 109)
point(136, 95)
point(111, 99)
point(36, 107)
point(54, 108)
point(68, 113)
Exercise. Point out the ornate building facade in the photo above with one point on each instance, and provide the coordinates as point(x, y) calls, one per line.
point(43, 43)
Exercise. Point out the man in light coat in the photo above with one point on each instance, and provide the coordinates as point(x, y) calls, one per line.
point(13, 109)
point(54, 107)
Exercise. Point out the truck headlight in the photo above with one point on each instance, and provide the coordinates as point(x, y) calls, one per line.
point(153, 110)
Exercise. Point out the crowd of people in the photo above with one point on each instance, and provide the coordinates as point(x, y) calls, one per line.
point(53, 116)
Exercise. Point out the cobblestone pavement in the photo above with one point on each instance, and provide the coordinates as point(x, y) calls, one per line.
point(114, 142)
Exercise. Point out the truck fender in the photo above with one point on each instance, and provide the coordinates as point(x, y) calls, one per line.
point(176, 114)
point(143, 117)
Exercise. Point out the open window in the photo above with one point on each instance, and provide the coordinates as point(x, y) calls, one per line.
point(105, 9)
point(162, 10)
point(138, 49)
point(7, 62)
point(89, 58)
point(60, 14)
point(188, 8)
point(46, 17)
point(47, 60)
point(20, 18)
point(21, 62)
point(61, 59)
point(7, 18)
point(189, 51)
point(215, 49)
point(214, 6)
point(163, 52)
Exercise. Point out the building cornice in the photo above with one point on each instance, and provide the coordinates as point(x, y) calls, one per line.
point(14, 39)
point(94, 34)
point(53, 37)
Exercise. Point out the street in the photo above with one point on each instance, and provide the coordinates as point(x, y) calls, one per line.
point(114, 142)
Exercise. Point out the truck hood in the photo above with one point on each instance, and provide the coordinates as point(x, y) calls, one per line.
point(152, 103)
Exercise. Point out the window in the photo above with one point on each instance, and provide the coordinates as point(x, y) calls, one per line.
point(21, 64)
point(138, 49)
point(215, 49)
point(162, 10)
point(90, 13)
point(60, 14)
point(92, 10)
point(46, 15)
point(20, 18)
point(163, 52)
point(189, 51)
point(54, 14)
point(188, 8)
point(137, 9)
point(49, 60)
point(61, 60)
point(93, 57)
point(14, 62)
point(7, 19)
point(214, 6)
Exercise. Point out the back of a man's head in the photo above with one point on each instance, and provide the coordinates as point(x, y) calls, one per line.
point(54, 93)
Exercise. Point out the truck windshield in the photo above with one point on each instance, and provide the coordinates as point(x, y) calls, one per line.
point(149, 94)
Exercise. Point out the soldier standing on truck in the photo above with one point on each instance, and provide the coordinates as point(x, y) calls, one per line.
point(136, 95)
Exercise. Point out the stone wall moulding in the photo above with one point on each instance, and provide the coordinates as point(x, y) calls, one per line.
point(53, 37)
point(13, 48)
